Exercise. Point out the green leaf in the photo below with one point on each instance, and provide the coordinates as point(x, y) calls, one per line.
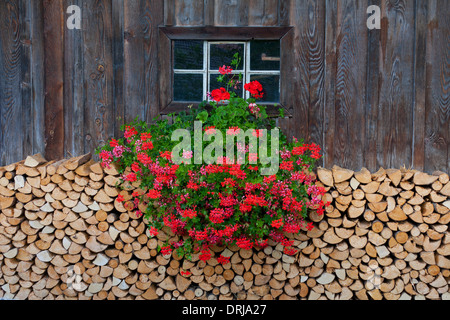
point(203, 116)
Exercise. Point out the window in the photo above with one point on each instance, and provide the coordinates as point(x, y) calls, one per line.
point(189, 58)
point(196, 67)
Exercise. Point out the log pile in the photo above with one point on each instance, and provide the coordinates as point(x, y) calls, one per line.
point(63, 235)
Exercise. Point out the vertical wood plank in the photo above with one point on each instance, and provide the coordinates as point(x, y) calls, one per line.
point(189, 13)
point(256, 12)
point(395, 121)
point(169, 12)
point(208, 14)
point(231, 13)
point(98, 74)
point(37, 77)
point(421, 8)
point(373, 81)
point(25, 77)
point(270, 17)
point(283, 12)
point(308, 17)
point(437, 135)
point(118, 58)
point(166, 73)
point(330, 84)
point(74, 88)
point(12, 51)
point(351, 46)
point(134, 76)
point(153, 17)
point(141, 82)
point(54, 78)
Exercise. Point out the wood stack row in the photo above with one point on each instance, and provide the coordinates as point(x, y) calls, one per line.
point(63, 235)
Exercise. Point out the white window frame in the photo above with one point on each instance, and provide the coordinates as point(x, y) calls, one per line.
point(246, 72)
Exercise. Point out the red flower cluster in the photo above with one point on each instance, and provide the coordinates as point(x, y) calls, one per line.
point(220, 94)
point(130, 132)
point(223, 260)
point(221, 203)
point(225, 70)
point(255, 88)
point(205, 255)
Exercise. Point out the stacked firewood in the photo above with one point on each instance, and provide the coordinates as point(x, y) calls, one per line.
point(64, 235)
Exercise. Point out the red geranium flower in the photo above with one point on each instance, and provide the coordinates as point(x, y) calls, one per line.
point(225, 69)
point(223, 260)
point(113, 143)
point(220, 94)
point(255, 88)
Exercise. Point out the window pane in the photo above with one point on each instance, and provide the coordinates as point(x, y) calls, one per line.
point(214, 84)
point(188, 87)
point(265, 55)
point(271, 86)
point(188, 54)
point(222, 54)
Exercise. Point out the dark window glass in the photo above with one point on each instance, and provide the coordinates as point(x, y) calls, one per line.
point(188, 54)
point(271, 86)
point(188, 87)
point(265, 55)
point(222, 54)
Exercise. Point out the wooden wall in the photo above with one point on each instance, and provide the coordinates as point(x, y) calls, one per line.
point(370, 97)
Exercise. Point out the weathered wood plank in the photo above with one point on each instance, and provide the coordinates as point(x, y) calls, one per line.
point(118, 63)
point(420, 84)
point(25, 77)
point(98, 74)
point(208, 13)
point(351, 51)
point(12, 52)
point(373, 81)
point(189, 13)
point(54, 25)
point(330, 84)
point(37, 77)
point(169, 12)
point(153, 17)
point(437, 134)
point(134, 64)
point(74, 88)
point(231, 13)
point(283, 12)
point(395, 121)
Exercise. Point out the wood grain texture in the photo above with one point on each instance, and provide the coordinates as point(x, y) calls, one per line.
point(74, 88)
point(134, 82)
point(37, 77)
point(350, 85)
point(188, 13)
point(231, 12)
point(395, 121)
point(118, 64)
point(54, 78)
point(12, 51)
point(26, 76)
point(309, 61)
point(437, 134)
point(372, 98)
point(153, 13)
point(98, 74)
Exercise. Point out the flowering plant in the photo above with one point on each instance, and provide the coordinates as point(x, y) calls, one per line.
point(221, 203)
